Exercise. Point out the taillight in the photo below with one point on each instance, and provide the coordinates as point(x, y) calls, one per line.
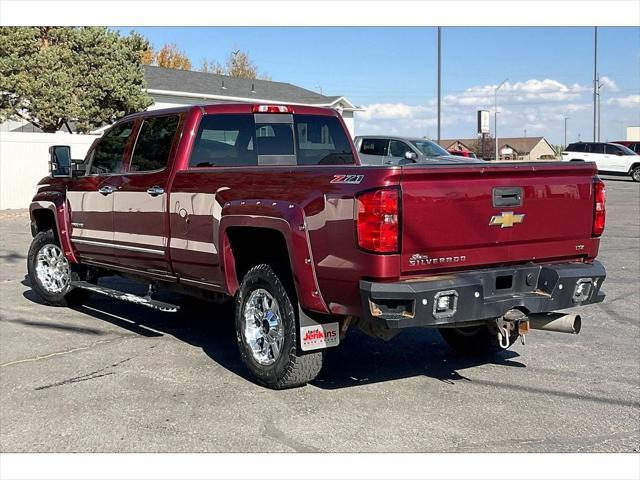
point(272, 109)
point(599, 212)
point(378, 220)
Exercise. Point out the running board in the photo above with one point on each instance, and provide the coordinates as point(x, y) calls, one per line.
point(127, 297)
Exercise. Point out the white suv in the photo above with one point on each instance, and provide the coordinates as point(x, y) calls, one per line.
point(611, 158)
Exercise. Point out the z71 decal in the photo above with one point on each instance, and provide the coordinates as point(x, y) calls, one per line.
point(352, 179)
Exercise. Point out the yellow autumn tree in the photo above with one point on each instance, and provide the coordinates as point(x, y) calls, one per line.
point(169, 56)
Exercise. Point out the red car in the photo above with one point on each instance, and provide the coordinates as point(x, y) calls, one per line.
point(462, 153)
point(267, 206)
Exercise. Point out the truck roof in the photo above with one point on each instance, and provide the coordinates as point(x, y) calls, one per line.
point(233, 108)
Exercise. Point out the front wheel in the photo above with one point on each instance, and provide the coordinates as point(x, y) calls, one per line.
point(51, 273)
point(635, 173)
point(267, 335)
point(475, 341)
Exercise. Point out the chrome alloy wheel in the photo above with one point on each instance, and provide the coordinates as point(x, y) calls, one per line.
point(52, 269)
point(263, 326)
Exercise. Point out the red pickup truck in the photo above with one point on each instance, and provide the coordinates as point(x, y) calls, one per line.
point(268, 205)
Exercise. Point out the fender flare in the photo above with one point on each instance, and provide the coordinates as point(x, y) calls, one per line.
point(58, 206)
point(288, 220)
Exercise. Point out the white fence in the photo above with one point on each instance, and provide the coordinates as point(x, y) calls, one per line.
point(24, 160)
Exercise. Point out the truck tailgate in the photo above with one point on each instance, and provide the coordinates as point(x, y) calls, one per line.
point(469, 215)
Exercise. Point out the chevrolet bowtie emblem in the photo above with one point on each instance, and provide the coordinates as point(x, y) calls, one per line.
point(506, 219)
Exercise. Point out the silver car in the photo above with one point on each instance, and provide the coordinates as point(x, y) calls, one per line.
point(388, 150)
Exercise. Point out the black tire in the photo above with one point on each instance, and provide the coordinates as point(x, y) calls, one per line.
point(289, 369)
point(475, 341)
point(635, 173)
point(69, 296)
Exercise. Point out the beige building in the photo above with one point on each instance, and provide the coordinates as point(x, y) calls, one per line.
point(511, 149)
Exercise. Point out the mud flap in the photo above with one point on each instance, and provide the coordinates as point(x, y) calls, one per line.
point(316, 334)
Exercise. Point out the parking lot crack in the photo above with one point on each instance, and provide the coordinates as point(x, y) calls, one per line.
point(88, 376)
point(66, 352)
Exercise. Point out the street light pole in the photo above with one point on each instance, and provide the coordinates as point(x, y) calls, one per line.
point(565, 132)
point(495, 115)
point(439, 82)
point(595, 81)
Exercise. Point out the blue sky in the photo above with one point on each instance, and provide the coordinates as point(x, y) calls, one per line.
point(392, 72)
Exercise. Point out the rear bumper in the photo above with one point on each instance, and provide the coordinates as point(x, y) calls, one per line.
point(482, 294)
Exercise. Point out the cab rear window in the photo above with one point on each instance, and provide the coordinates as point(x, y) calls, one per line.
point(270, 139)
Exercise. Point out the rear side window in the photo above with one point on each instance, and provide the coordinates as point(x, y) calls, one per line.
point(108, 155)
point(154, 143)
point(596, 148)
point(224, 140)
point(321, 141)
point(373, 146)
point(576, 147)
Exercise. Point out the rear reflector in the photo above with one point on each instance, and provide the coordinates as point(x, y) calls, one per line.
point(599, 212)
point(271, 109)
point(378, 220)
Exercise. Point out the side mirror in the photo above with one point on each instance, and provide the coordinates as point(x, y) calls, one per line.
point(411, 156)
point(60, 160)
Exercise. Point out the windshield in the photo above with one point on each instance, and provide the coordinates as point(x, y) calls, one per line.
point(429, 149)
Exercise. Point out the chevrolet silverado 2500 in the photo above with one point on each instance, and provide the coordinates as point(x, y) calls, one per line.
point(268, 205)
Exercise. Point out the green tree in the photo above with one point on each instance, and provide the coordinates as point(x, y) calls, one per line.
point(50, 76)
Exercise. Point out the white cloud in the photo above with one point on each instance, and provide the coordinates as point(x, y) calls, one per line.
point(382, 111)
point(608, 84)
point(630, 101)
point(539, 106)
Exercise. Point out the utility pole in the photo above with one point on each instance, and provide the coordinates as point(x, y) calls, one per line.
point(599, 87)
point(495, 121)
point(565, 132)
point(439, 82)
point(595, 81)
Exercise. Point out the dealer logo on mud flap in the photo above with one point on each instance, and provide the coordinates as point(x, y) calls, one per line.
point(319, 336)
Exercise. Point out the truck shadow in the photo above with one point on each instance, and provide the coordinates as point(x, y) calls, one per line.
point(359, 360)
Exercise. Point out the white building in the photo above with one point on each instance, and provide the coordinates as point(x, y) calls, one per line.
point(169, 88)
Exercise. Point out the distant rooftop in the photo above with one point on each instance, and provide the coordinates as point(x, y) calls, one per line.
point(521, 145)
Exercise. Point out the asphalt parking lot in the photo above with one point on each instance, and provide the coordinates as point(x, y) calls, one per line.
point(116, 377)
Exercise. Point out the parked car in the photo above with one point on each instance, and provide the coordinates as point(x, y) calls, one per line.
point(631, 145)
point(610, 158)
point(462, 153)
point(268, 206)
point(386, 150)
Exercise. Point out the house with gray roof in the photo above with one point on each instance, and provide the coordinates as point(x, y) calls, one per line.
point(169, 88)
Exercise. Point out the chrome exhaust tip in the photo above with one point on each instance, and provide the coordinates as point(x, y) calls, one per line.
point(556, 322)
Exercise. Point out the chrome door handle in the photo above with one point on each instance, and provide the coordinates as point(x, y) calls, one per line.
point(106, 190)
point(155, 191)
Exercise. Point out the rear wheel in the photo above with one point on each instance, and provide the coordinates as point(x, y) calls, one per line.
point(635, 173)
point(51, 273)
point(475, 341)
point(267, 335)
